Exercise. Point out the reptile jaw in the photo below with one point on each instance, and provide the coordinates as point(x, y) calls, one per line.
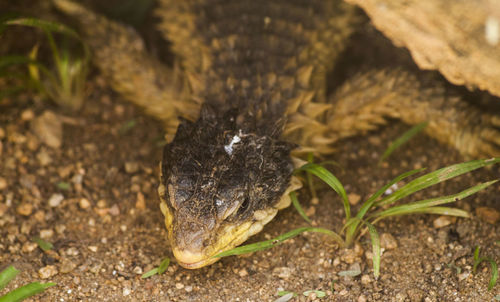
point(230, 235)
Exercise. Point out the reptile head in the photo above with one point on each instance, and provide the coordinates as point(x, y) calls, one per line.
point(220, 185)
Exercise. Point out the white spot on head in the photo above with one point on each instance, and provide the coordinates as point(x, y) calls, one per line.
point(229, 147)
point(492, 30)
point(218, 202)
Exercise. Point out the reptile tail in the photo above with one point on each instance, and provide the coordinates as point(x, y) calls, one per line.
point(121, 56)
point(366, 101)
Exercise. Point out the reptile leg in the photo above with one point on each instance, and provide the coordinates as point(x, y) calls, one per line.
point(366, 101)
point(121, 56)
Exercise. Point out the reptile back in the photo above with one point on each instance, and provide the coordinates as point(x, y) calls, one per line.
point(269, 59)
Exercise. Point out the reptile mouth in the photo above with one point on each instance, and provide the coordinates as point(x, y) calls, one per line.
point(230, 235)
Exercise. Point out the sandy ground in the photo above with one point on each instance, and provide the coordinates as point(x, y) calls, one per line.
point(94, 199)
point(92, 194)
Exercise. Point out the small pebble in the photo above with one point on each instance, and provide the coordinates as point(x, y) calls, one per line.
point(179, 285)
point(141, 202)
point(60, 228)
point(282, 272)
point(27, 115)
point(25, 209)
point(243, 272)
point(188, 288)
point(114, 210)
point(101, 203)
point(366, 279)
point(46, 234)
point(47, 271)
point(39, 216)
point(55, 200)
point(93, 248)
point(126, 291)
point(3, 183)
point(29, 247)
point(310, 211)
point(463, 276)
point(443, 221)
point(3, 209)
point(362, 298)
point(353, 198)
point(48, 128)
point(72, 251)
point(131, 167)
point(43, 157)
point(137, 270)
point(490, 215)
point(67, 266)
point(84, 203)
point(388, 242)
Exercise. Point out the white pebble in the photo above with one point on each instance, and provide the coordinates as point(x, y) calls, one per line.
point(55, 200)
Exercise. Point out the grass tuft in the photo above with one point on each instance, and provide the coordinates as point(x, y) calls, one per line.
point(376, 207)
point(64, 81)
point(493, 264)
point(157, 270)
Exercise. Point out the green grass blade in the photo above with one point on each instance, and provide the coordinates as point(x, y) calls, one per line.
point(435, 177)
point(418, 206)
point(48, 26)
point(494, 274)
point(157, 270)
point(298, 207)
point(310, 181)
point(352, 224)
point(163, 265)
point(264, 245)
point(44, 245)
point(493, 264)
point(150, 273)
point(331, 180)
point(25, 291)
point(6, 61)
point(375, 239)
point(319, 293)
point(403, 139)
point(7, 275)
point(371, 200)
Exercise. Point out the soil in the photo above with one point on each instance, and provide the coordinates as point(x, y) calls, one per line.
point(94, 198)
point(103, 243)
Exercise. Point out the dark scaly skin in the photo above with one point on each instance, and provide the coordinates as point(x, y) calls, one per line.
point(259, 69)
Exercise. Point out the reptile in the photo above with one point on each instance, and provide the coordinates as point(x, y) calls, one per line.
point(249, 89)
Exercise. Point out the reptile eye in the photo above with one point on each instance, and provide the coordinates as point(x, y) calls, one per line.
point(244, 206)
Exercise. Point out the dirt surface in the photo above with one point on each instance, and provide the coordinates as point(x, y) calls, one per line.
point(90, 190)
point(107, 229)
